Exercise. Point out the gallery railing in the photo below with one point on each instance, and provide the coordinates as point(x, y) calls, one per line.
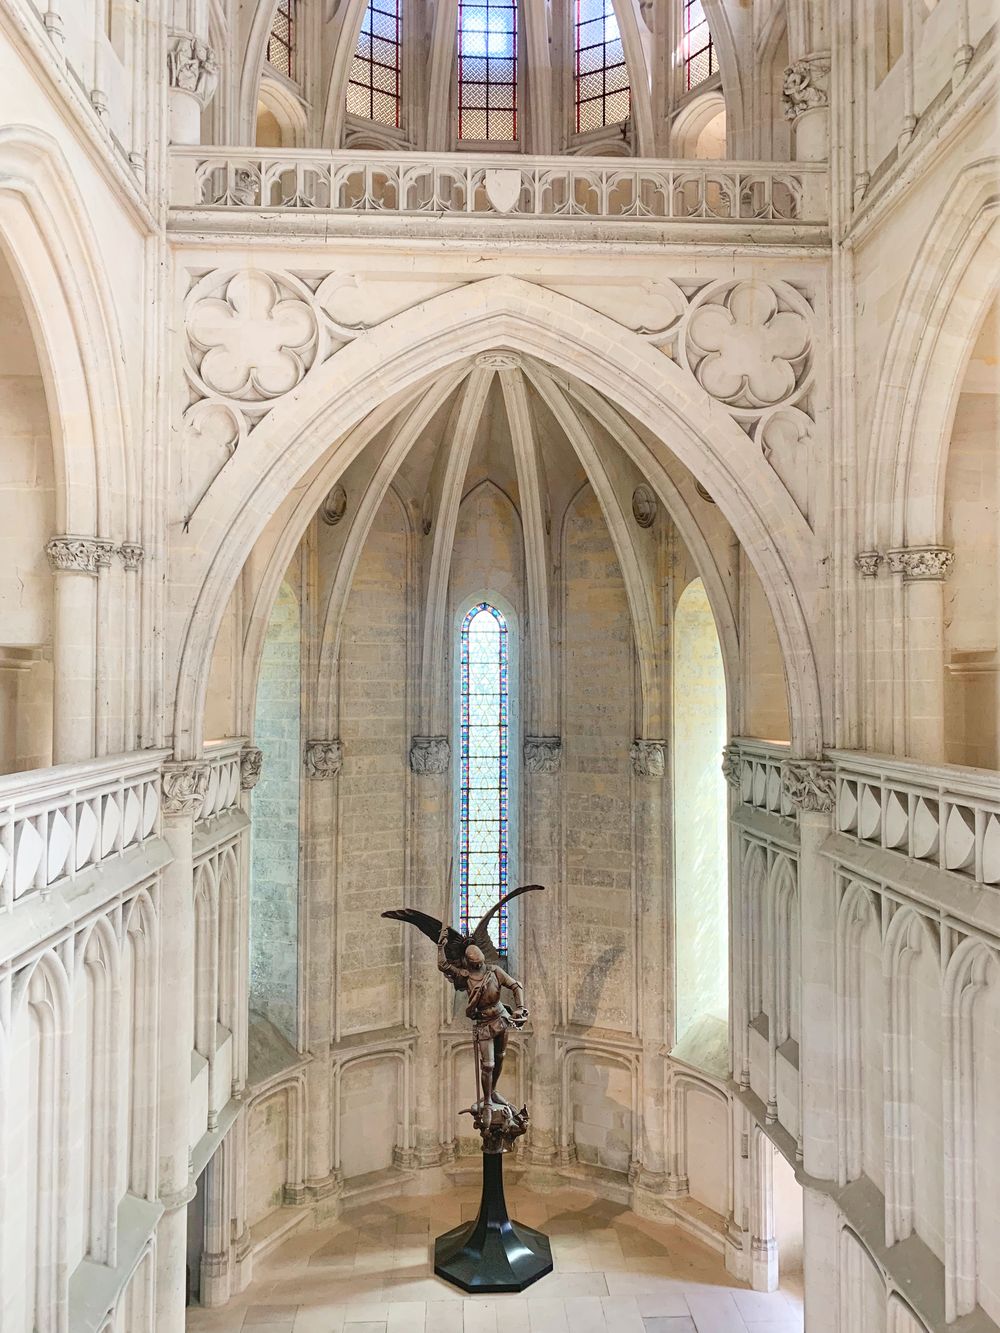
point(437, 184)
point(755, 770)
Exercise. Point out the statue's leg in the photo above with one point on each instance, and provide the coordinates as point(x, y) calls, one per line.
point(499, 1050)
point(486, 1068)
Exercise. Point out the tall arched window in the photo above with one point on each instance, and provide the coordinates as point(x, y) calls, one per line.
point(281, 41)
point(487, 70)
point(697, 48)
point(602, 91)
point(373, 90)
point(484, 771)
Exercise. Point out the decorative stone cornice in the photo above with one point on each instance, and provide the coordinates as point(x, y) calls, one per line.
point(79, 555)
point(806, 86)
point(184, 787)
point(868, 563)
point(542, 754)
point(731, 766)
point(251, 759)
point(921, 564)
point(131, 555)
point(429, 755)
point(192, 67)
point(649, 758)
point(808, 784)
point(324, 759)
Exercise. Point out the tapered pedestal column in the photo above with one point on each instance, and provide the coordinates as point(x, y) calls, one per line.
point(492, 1253)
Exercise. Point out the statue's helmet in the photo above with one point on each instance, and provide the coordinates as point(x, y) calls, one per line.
point(474, 955)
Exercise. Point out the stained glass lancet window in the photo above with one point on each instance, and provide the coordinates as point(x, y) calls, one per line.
point(698, 49)
point(373, 87)
point(487, 70)
point(281, 40)
point(602, 91)
point(484, 788)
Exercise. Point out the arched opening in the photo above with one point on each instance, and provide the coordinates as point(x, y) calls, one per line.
point(701, 935)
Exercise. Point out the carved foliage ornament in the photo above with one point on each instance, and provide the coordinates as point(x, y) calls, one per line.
point(324, 759)
point(731, 766)
point(251, 759)
point(79, 555)
point(921, 563)
point(805, 87)
point(808, 785)
point(184, 788)
point(868, 563)
point(750, 345)
point(192, 67)
point(542, 754)
point(649, 758)
point(429, 755)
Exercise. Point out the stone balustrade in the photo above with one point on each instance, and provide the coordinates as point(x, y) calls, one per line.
point(57, 822)
point(224, 760)
point(472, 185)
point(946, 816)
point(753, 769)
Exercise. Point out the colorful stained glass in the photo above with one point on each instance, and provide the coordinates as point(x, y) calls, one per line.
point(698, 49)
point(484, 774)
point(487, 70)
point(373, 89)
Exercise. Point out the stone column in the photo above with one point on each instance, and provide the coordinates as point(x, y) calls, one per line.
point(430, 763)
point(184, 787)
point(806, 97)
point(543, 959)
point(821, 1256)
point(763, 1244)
point(217, 1253)
point(75, 562)
point(649, 764)
point(810, 787)
point(324, 760)
point(923, 570)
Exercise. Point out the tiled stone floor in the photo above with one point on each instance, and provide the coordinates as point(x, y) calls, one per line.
point(614, 1273)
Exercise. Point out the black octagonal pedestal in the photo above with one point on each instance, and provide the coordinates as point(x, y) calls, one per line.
point(492, 1253)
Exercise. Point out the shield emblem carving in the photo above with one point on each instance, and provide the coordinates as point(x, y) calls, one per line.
point(502, 188)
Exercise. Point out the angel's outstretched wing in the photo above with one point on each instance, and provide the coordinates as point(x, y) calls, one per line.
point(454, 948)
point(481, 934)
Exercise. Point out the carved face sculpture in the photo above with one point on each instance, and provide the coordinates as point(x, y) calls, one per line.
point(474, 956)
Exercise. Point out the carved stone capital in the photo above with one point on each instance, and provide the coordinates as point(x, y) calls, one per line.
point(868, 563)
point(251, 759)
point(542, 754)
point(649, 758)
point(808, 785)
point(806, 86)
point(324, 759)
point(131, 555)
point(192, 67)
point(79, 555)
point(184, 787)
point(921, 564)
point(731, 766)
point(429, 755)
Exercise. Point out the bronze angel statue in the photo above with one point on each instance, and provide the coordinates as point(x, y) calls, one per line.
point(472, 964)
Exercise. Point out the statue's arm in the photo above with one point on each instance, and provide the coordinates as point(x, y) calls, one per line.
point(516, 989)
point(451, 971)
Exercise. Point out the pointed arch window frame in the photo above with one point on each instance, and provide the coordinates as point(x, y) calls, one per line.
point(485, 792)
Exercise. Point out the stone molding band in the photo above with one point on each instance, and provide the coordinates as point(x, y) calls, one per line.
point(323, 759)
point(917, 564)
point(89, 555)
point(430, 756)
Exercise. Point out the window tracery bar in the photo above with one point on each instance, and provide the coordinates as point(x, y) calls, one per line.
point(697, 47)
point(281, 40)
point(484, 789)
point(373, 89)
point(602, 88)
point(487, 70)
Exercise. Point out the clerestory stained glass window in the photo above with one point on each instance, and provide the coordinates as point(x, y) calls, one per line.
point(698, 49)
point(281, 40)
point(484, 787)
point(602, 91)
point(373, 87)
point(487, 70)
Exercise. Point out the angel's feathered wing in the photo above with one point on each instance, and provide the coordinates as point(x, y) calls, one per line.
point(481, 934)
point(454, 948)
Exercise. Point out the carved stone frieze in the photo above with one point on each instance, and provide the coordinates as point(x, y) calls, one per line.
point(731, 766)
point(542, 754)
point(805, 86)
point(251, 759)
point(79, 555)
point(921, 563)
point(192, 67)
point(808, 784)
point(324, 759)
point(429, 755)
point(184, 787)
point(868, 563)
point(649, 758)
